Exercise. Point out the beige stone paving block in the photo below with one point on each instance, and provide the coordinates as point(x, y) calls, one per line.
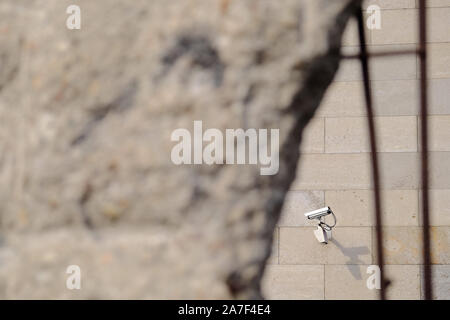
point(400, 208)
point(399, 170)
point(299, 246)
point(439, 24)
point(440, 282)
point(401, 97)
point(405, 282)
point(273, 259)
point(356, 207)
point(333, 172)
point(439, 96)
point(391, 98)
point(347, 282)
point(297, 203)
point(388, 68)
point(439, 208)
point(352, 207)
point(293, 282)
point(350, 282)
point(439, 60)
point(440, 170)
point(396, 97)
point(390, 4)
point(436, 3)
point(440, 245)
point(353, 171)
point(313, 137)
point(393, 68)
point(397, 27)
point(348, 246)
point(403, 245)
point(439, 132)
point(347, 135)
point(343, 99)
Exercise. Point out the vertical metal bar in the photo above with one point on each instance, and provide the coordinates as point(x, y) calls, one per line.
point(424, 140)
point(373, 146)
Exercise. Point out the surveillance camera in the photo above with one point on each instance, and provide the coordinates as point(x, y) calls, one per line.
point(323, 232)
point(319, 213)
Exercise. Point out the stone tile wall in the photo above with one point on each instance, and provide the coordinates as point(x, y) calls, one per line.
point(335, 171)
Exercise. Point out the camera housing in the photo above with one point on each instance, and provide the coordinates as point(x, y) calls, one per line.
point(323, 231)
point(319, 213)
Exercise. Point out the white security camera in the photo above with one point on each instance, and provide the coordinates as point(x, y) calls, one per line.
point(319, 213)
point(323, 232)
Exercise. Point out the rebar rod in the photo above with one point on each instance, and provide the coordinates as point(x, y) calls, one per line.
point(424, 152)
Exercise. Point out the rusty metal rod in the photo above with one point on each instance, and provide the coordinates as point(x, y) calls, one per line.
point(381, 54)
point(373, 146)
point(424, 139)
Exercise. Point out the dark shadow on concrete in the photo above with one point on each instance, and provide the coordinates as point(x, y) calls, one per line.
point(353, 254)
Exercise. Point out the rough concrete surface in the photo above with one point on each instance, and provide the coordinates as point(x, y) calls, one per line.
point(86, 118)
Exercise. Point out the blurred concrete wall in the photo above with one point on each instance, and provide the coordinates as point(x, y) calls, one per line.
point(335, 171)
point(86, 120)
